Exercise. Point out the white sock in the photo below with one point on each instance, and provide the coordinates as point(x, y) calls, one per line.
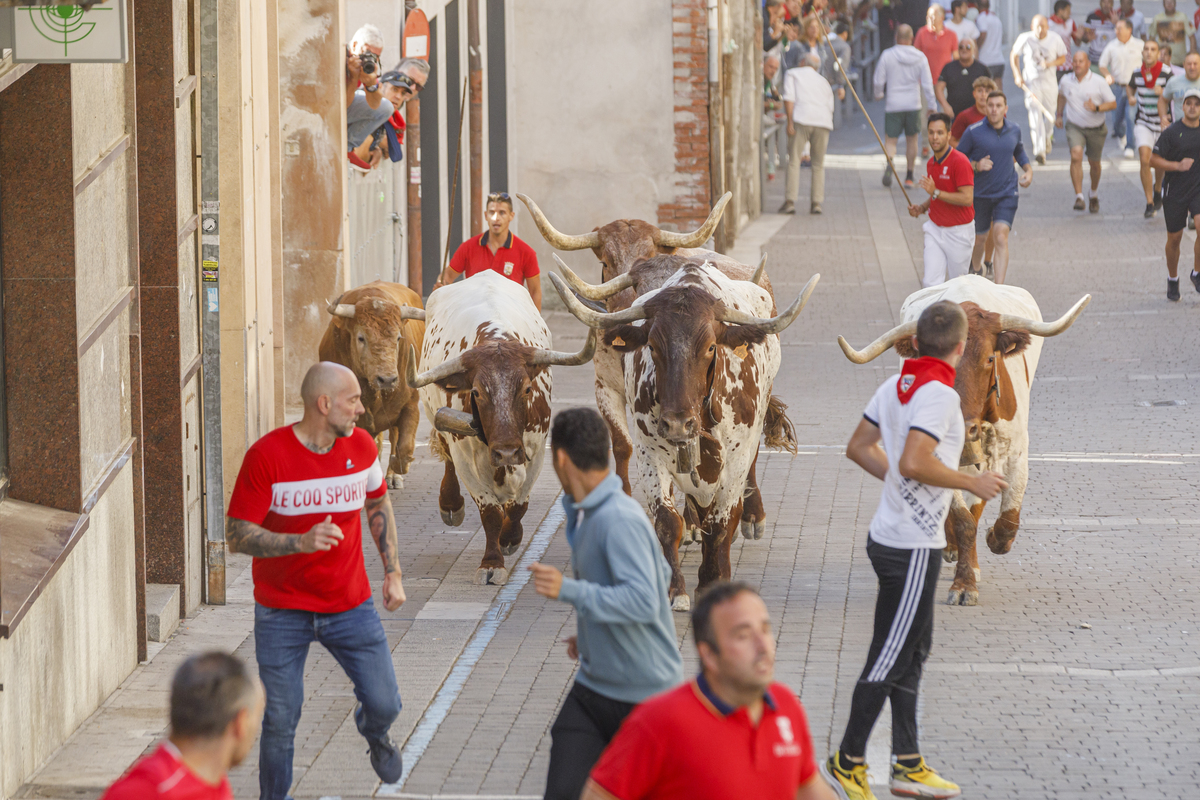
point(1174, 280)
point(1079, 196)
point(1091, 193)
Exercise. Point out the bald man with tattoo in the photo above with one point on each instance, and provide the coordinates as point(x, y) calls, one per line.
point(296, 507)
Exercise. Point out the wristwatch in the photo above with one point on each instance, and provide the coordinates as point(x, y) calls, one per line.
point(935, 194)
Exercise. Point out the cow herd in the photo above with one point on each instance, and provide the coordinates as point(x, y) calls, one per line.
point(685, 346)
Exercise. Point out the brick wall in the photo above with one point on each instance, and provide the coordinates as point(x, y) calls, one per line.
point(691, 204)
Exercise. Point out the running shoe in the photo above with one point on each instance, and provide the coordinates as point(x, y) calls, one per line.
point(908, 181)
point(925, 151)
point(788, 207)
point(1149, 211)
point(815, 208)
point(1172, 289)
point(386, 760)
point(1129, 153)
point(1040, 159)
point(850, 785)
point(887, 176)
point(1079, 206)
point(921, 781)
point(1157, 200)
point(1094, 205)
point(989, 271)
point(1195, 276)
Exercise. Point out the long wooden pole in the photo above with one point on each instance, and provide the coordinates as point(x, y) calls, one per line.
point(857, 99)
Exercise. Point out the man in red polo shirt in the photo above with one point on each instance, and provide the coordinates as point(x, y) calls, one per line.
point(216, 712)
point(665, 748)
point(497, 249)
point(950, 229)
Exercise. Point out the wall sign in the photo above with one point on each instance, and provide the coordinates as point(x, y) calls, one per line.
point(67, 34)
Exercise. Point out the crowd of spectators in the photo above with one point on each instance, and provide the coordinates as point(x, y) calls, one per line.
point(374, 99)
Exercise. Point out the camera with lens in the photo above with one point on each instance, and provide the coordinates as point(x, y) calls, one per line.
point(369, 61)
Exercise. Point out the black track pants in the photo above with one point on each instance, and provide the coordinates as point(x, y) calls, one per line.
point(587, 723)
point(903, 635)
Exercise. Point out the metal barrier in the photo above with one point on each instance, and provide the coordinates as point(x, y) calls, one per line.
point(864, 48)
point(375, 232)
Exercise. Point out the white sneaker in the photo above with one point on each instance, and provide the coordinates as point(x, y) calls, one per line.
point(1129, 153)
point(1121, 142)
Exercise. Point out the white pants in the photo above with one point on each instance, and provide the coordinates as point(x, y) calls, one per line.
point(947, 251)
point(1040, 128)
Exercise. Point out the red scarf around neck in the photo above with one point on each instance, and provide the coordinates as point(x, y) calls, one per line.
point(916, 372)
point(1151, 77)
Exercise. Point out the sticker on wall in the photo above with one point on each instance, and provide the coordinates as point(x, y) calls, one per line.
point(213, 299)
point(209, 271)
point(69, 34)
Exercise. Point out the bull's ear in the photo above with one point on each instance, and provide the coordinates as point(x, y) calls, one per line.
point(458, 382)
point(1012, 342)
point(905, 349)
point(626, 338)
point(735, 336)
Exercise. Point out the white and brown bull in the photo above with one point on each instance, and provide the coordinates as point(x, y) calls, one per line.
point(372, 329)
point(486, 388)
point(702, 352)
point(993, 380)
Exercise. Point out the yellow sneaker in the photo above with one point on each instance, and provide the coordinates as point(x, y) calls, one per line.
point(850, 785)
point(921, 781)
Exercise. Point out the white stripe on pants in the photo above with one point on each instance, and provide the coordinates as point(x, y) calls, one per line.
point(1040, 130)
point(947, 251)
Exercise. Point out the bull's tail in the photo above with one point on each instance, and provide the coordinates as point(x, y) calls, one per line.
point(438, 448)
point(777, 428)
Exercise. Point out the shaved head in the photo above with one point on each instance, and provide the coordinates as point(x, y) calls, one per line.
point(904, 34)
point(327, 379)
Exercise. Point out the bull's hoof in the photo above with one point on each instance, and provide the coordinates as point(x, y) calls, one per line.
point(963, 597)
point(681, 602)
point(395, 481)
point(454, 518)
point(509, 549)
point(978, 574)
point(496, 576)
point(691, 535)
point(753, 529)
point(949, 555)
point(996, 544)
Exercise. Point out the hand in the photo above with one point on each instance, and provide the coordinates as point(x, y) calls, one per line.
point(1089, 105)
point(948, 110)
point(926, 183)
point(1186, 164)
point(1019, 81)
point(791, 128)
point(915, 210)
point(1109, 78)
point(354, 67)
point(547, 580)
point(1024, 179)
point(572, 643)
point(1158, 90)
point(984, 164)
point(393, 591)
point(841, 93)
point(988, 484)
point(1058, 122)
point(322, 536)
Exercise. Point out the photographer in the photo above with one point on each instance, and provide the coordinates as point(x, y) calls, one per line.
point(367, 109)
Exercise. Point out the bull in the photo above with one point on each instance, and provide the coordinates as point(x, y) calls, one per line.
point(486, 389)
point(702, 351)
point(370, 333)
point(994, 380)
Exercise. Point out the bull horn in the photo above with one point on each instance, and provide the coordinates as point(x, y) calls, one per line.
point(701, 234)
point(594, 319)
point(590, 291)
point(1009, 322)
point(408, 312)
point(345, 310)
point(774, 324)
point(877, 347)
point(557, 358)
point(559, 241)
point(438, 373)
point(758, 273)
point(460, 423)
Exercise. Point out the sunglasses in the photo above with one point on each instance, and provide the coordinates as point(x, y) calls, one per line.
point(408, 83)
point(502, 196)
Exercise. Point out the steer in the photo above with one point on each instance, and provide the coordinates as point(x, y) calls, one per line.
point(702, 354)
point(486, 389)
point(993, 380)
point(370, 333)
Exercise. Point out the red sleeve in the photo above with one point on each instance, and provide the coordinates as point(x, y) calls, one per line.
point(630, 767)
point(959, 127)
point(458, 261)
point(251, 498)
point(963, 174)
point(376, 484)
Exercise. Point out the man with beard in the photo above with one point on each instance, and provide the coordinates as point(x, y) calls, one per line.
point(1144, 90)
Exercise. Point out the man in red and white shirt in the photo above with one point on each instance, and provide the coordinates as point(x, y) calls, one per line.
point(216, 711)
point(296, 508)
point(497, 249)
point(950, 229)
point(665, 748)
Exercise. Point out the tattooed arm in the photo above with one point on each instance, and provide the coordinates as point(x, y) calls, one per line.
point(255, 540)
point(382, 522)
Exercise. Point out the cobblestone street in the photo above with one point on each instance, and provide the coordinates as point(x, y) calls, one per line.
point(1079, 668)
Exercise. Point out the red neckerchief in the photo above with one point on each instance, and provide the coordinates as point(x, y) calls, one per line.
point(1151, 78)
point(916, 372)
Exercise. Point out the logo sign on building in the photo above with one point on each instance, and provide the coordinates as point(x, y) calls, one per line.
point(69, 34)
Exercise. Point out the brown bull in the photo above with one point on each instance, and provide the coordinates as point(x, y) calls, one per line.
point(370, 332)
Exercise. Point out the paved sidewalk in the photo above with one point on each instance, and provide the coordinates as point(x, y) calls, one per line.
point(1079, 668)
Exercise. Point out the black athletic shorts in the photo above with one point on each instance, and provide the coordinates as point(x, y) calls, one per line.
point(1175, 212)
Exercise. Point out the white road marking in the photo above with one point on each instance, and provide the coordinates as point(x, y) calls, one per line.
point(1060, 669)
point(464, 665)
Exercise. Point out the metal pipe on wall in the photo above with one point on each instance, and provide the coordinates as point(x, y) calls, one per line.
point(475, 68)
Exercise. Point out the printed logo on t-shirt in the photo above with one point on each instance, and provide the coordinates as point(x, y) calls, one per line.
point(508, 268)
point(788, 748)
point(320, 495)
point(349, 464)
point(921, 499)
point(906, 382)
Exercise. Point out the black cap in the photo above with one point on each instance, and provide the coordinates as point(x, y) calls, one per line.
point(392, 77)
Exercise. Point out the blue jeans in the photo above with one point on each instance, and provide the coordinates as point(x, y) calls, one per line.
point(281, 639)
point(1121, 117)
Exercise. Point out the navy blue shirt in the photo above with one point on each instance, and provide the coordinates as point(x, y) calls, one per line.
point(1003, 145)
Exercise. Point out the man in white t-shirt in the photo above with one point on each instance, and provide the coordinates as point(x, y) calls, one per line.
point(1085, 97)
point(808, 100)
point(917, 418)
point(1035, 56)
point(1120, 58)
point(958, 22)
point(991, 41)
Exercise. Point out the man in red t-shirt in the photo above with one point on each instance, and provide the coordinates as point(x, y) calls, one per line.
point(497, 249)
point(665, 748)
point(980, 89)
point(939, 45)
point(950, 229)
point(216, 711)
point(296, 508)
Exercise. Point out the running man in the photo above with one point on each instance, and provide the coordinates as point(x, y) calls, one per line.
point(980, 89)
point(993, 145)
point(911, 438)
point(1035, 56)
point(949, 234)
point(1085, 97)
point(1177, 153)
point(1144, 90)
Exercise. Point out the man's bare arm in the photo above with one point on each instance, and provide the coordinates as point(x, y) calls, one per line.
point(815, 789)
point(865, 451)
point(255, 540)
point(382, 522)
point(534, 284)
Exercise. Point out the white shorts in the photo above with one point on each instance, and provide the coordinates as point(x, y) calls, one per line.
point(947, 251)
point(1143, 137)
